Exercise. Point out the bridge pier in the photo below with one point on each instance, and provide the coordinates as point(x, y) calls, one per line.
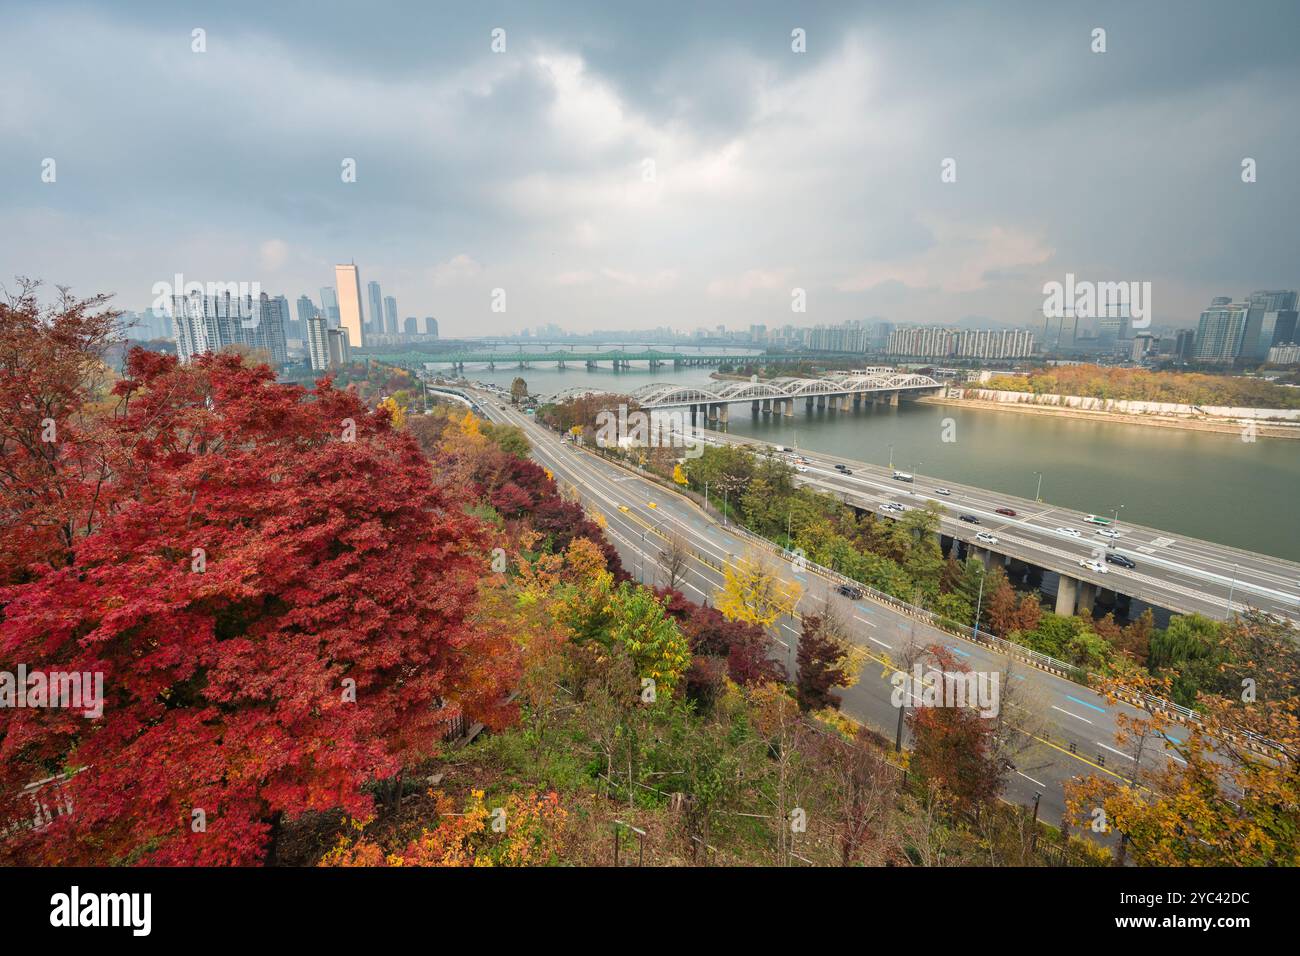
point(788, 407)
point(857, 401)
point(1067, 591)
point(893, 399)
point(723, 413)
point(767, 406)
point(590, 364)
point(821, 401)
point(1087, 596)
point(753, 408)
point(808, 405)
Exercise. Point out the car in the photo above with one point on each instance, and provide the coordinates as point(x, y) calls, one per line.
point(1092, 564)
point(893, 506)
point(847, 471)
point(1096, 519)
point(902, 476)
point(850, 591)
point(783, 448)
point(986, 537)
point(801, 468)
point(1108, 532)
point(1072, 532)
point(942, 491)
point(839, 467)
point(1122, 561)
point(969, 519)
point(1007, 511)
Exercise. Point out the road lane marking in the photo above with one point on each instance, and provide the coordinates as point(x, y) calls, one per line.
point(1100, 710)
point(1032, 780)
point(1075, 716)
point(1114, 751)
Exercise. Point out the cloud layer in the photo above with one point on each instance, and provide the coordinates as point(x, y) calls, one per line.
point(656, 165)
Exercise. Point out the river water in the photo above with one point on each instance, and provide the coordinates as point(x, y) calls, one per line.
point(1202, 484)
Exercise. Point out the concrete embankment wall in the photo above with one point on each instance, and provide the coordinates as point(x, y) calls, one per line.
point(1262, 422)
point(1125, 407)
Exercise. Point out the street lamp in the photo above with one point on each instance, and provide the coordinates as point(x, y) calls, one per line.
point(1232, 587)
point(1116, 513)
point(1038, 492)
point(891, 457)
point(640, 568)
point(979, 604)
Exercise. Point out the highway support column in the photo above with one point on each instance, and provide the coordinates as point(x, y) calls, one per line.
point(1067, 590)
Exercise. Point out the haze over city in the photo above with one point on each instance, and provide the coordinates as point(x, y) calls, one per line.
point(637, 166)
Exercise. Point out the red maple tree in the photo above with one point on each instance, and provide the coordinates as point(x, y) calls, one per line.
point(277, 600)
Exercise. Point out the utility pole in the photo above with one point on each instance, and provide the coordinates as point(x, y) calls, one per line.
point(1038, 492)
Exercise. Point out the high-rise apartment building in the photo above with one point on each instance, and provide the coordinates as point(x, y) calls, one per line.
point(210, 323)
point(326, 348)
point(1184, 343)
point(347, 280)
point(1221, 332)
point(430, 326)
point(942, 342)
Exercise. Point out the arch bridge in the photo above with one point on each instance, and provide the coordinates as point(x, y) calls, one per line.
point(840, 392)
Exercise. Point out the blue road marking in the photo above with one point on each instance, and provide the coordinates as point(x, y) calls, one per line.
point(1172, 738)
point(1100, 710)
point(956, 650)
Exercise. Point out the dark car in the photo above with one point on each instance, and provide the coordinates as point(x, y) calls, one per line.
point(850, 591)
point(846, 471)
point(970, 519)
point(1122, 561)
point(1006, 511)
point(841, 467)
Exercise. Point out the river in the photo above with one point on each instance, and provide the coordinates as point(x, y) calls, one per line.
point(1202, 484)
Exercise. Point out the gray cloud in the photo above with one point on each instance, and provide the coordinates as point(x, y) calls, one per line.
point(771, 170)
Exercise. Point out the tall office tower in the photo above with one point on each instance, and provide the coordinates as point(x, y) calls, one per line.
point(1184, 342)
point(1221, 332)
point(1268, 310)
point(306, 310)
point(376, 308)
point(288, 327)
point(347, 280)
point(411, 325)
point(390, 315)
point(1219, 300)
point(329, 302)
point(430, 326)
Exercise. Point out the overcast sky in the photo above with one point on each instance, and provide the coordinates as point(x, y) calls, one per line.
point(772, 170)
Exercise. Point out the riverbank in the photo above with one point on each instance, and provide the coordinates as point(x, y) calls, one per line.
point(1260, 429)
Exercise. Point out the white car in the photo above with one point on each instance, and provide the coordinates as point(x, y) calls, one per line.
point(801, 468)
point(986, 537)
point(1092, 564)
point(942, 491)
point(893, 506)
point(1072, 532)
point(1107, 533)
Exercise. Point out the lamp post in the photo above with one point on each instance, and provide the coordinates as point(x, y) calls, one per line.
point(1038, 492)
point(1232, 587)
point(640, 570)
point(891, 457)
point(979, 604)
point(1116, 512)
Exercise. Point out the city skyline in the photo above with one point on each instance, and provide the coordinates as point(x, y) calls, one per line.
point(668, 174)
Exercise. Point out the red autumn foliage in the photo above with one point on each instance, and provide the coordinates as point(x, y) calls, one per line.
point(327, 558)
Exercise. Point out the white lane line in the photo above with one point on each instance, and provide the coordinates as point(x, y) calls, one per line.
point(1075, 716)
point(1114, 751)
point(1032, 780)
point(881, 643)
point(865, 621)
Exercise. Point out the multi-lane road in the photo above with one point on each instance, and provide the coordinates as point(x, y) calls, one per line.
point(1171, 571)
point(1071, 732)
